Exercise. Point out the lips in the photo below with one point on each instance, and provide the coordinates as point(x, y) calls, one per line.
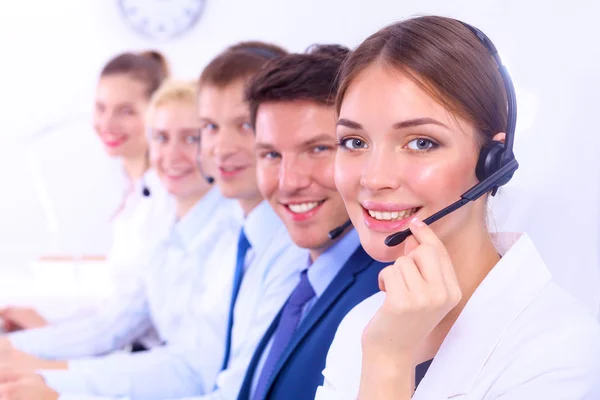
point(388, 218)
point(114, 142)
point(230, 171)
point(174, 176)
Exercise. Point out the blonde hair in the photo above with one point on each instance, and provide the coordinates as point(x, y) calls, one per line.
point(172, 91)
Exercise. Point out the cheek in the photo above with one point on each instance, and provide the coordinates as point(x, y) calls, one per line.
point(267, 179)
point(155, 155)
point(438, 183)
point(346, 176)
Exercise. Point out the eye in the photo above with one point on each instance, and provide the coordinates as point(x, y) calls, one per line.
point(421, 144)
point(353, 144)
point(192, 139)
point(160, 137)
point(320, 148)
point(210, 127)
point(127, 111)
point(271, 155)
point(246, 126)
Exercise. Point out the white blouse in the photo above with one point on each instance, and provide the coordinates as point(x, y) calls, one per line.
point(520, 337)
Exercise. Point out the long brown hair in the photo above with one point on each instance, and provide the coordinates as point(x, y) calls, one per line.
point(149, 67)
point(446, 60)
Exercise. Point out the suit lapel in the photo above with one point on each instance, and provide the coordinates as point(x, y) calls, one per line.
point(344, 279)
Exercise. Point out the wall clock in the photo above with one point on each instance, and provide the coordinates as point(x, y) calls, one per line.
point(161, 19)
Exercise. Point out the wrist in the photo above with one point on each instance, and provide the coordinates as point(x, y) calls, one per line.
point(387, 377)
point(55, 365)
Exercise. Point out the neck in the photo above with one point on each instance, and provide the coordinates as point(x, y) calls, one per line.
point(316, 252)
point(135, 167)
point(471, 263)
point(249, 204)
point(184, 204)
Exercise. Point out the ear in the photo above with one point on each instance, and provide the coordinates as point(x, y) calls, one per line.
point(500, 137)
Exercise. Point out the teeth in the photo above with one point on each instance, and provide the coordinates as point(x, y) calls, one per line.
point(230, 169)
point(392, 215)
point(303, 207)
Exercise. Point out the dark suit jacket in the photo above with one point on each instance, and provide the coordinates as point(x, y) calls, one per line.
point(299, 370)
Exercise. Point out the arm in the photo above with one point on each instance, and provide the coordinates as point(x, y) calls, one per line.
point(113, 328)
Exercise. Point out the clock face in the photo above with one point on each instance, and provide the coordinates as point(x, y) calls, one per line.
point(161, 19)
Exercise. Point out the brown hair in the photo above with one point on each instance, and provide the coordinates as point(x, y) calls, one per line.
point(149, 67)
point(447, 60)
point(309, 76)
point(239, 62)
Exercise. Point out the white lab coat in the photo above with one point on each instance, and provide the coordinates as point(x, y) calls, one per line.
point(520, 337)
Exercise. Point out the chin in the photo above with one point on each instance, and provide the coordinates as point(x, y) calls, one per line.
point(309, 240)
point(383, 253)
point(376, 248)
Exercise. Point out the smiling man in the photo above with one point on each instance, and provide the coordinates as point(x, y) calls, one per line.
point(291, 105)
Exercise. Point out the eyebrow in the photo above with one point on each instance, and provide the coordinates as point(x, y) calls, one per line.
point(320, 138)
point(262, 146)
point(399, 125)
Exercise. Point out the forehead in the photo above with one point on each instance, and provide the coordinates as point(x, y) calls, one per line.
point(294, 123)
point(222, 102)
point(120, 88)
point(174, 115)
point(380, 95)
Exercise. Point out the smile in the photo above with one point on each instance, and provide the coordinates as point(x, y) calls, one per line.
point(392, 215)
point(300, 208)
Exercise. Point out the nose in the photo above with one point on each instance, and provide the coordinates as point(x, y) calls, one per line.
point(293, 176)
point(381, 171)
point(173, 151)
point(223, 144)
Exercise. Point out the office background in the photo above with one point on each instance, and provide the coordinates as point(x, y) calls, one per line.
point(59, 190)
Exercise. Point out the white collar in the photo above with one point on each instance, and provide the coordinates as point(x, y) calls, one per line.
point(514, 282)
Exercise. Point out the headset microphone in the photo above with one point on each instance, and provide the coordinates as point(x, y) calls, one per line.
point(335, 233)
point(496, 164)
point(209, 179)
point(146, 191)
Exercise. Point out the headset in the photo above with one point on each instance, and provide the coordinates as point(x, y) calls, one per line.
point(496, 164)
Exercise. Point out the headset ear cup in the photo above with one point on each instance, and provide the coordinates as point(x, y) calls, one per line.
point(490, 159)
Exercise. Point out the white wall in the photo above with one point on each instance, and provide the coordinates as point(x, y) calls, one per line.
point(52, 52)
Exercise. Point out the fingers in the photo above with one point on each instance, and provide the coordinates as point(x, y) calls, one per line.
point(10, 375)
point(410, 244)
point(392, 281)
point(425, 235)
point(428, 239)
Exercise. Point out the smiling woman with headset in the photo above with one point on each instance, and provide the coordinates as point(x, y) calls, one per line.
point(426, 120)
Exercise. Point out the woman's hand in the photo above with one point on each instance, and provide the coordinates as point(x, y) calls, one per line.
point(18, 318)
point(16, 385)
point(421, 288)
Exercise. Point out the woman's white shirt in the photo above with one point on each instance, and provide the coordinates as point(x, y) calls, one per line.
point(142, 223)
point(520, 337)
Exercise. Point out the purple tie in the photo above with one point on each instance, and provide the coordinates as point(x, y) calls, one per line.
point(290, 317)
